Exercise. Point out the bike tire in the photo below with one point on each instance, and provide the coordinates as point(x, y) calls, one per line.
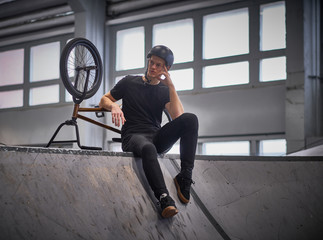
point(80, 52)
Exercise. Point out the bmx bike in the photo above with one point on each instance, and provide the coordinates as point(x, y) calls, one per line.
point(81, 73)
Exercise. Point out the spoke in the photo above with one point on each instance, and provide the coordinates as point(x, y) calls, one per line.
point(81, 57)
point(71, 64)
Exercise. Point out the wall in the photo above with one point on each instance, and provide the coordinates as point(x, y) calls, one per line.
point(239, 112)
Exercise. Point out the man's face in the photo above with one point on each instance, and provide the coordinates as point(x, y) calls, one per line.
point(156, 66)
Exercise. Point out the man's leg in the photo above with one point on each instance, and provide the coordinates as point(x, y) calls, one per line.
point(184, 127)
point(142, 146)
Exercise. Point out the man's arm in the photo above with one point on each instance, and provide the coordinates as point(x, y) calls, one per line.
point(174, 106)
point(109, 103)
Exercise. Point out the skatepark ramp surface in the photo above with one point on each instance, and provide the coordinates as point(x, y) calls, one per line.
point(77, 194)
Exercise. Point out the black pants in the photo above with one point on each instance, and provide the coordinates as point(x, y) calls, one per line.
point(146, 146)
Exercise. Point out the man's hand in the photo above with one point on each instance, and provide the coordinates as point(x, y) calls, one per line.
point(164, 77)
point(174, 106)
point(117, 115)
point(109, 103)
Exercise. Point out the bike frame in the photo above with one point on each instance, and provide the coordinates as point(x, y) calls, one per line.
point(76, 114)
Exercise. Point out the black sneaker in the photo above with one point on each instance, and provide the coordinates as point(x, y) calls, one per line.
point(168, 206)
point(183, 186)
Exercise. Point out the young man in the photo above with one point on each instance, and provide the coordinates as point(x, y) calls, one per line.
point(143, 100)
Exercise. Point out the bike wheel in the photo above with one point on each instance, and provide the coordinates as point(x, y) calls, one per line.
point(80, 59)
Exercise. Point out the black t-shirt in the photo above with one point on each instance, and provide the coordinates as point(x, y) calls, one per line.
point(142, 104)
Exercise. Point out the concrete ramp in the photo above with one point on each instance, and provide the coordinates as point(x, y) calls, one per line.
point(77, 194)
point(60, 194)
point(314, 151)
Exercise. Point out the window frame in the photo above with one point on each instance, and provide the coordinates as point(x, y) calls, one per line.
point(253, 57)
point(27, 85)
point(254, 141)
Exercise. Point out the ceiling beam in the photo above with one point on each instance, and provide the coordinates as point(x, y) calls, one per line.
point(18, 8)
point(169, 9)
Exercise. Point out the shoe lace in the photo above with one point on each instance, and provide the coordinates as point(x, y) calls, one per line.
point(187, 183)
point(163, 201)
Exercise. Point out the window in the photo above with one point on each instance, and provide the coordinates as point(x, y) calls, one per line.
point(44, 62)
point(130, 49)
point(44, 95)
point(40, 85)
point(44, 65)
point(10, 99)
point(241, 148)
point(272, 26)
point(272, 69)
point(182, 44)
point(226, 34)
point(183, 79)
point(276, 147)
point(226, 74)
point(272, 37)
point(257, 146)
point(224, 40)
point(12, 73)
point(12, 67)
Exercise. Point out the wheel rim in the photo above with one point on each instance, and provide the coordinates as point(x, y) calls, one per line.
point(79, 61)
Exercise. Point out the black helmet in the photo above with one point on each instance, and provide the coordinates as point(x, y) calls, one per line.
point(164, 53)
